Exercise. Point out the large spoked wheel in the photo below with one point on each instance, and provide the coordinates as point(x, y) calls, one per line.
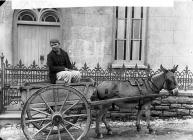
point(56, 112)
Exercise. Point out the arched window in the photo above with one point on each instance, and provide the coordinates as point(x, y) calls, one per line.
point(27, 15)
point(49, 16)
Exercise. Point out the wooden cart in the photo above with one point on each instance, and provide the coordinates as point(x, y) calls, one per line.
point(59, 110)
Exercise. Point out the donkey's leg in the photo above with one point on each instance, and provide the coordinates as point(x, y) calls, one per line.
point(139, 117)
point(98, 120)
point(109, 130)
point(148, 115)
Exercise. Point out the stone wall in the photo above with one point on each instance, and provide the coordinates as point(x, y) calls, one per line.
point(174, 106)
point(180, 106)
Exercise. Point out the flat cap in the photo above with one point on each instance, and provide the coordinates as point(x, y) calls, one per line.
point(54, 41)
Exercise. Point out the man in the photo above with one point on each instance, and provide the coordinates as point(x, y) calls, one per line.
point(60, 67)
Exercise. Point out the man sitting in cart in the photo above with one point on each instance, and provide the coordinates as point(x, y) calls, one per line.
point(60, 67)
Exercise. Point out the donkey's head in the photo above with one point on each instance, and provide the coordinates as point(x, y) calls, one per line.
point(170, 83)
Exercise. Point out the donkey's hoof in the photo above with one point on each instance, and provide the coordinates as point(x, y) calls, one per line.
point(109, 132)
point(138, 128)
point(99, 136)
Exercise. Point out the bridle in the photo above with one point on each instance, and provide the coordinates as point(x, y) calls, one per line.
point(155, 86)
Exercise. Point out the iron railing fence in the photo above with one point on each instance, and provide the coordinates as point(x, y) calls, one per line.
point(19, 74)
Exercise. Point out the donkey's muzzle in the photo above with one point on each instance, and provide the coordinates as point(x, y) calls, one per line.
point(174, 91)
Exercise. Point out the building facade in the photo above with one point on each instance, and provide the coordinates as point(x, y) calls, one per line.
point(104, 35)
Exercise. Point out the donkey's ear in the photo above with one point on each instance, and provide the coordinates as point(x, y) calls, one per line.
point(174, 68)
point(163, 69)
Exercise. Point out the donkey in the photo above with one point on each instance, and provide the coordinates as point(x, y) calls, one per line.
point(112, 89)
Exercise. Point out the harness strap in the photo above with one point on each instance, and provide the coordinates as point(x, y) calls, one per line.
point(150, 81)
point(139, 88)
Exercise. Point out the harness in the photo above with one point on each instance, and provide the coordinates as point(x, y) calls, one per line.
point(138, 84)
point(147, 84)
point(155, 86)
point(152, 88)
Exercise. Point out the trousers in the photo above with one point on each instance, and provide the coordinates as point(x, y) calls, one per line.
point(71, 76)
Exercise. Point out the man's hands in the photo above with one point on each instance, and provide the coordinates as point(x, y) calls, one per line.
point(66, 69)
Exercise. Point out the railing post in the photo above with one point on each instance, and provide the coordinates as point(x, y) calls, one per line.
point(186, 78)
point(2, 82)
point(148, 71)
point(136, 72)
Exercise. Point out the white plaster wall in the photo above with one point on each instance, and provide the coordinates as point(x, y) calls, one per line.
point(88, 35)
point(170, 36)
point(6, 14)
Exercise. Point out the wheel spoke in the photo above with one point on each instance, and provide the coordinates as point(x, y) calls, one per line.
point(54, 96)
point(78, 115)
point(68, 131)
point(40, 111)
point(71, 107)
point(64, 102)
point(43, 121)
point(59, 135)
point(72, 124)
point(49, 132)
point(35, 114)
point(37, 120)
point(41, 129)
point(46, 103)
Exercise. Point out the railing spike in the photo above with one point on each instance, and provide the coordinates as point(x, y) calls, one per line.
point(34, 62)
point(74, 65)
point(148, 67)
point(110, 67)
point(2, 56)
point(6, 63)
point(123, 66)
point(186, 69)
point(85, 67)
point(136, 67)
point(98, 67)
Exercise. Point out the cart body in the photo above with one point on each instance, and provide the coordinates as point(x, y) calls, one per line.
point(56, 109)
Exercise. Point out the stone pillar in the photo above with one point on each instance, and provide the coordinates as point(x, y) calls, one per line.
point(2, 82)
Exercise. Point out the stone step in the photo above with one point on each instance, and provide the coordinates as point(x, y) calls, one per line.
point(10, 117)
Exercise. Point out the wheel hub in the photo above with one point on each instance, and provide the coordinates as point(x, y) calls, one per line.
point(57, 119)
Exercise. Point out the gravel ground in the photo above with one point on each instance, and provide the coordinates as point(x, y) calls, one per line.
point(172, 129)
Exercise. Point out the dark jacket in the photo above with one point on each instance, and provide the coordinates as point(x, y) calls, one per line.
point(57, 63)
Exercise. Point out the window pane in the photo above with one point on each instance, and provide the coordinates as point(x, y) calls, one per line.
point(26, 16)
point(137, 12)
point(136, 29)
point(120, 50)
point(136, 50)
point(121, 29)
point(121, 12)
point(49, 17)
